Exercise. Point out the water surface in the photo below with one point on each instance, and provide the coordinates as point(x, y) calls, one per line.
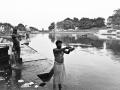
point(93, 65)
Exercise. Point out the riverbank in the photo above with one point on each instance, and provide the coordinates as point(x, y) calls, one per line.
point(34, 63)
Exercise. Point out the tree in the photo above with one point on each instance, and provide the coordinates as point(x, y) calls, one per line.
point(60, 25)
point(7, 28)
point(52, 26)
point(115, 19)
point(66, 24)
point(116, 12)
point(67, 19)
point(75, 19)
point(76, 22)
point(100, 22)
point(85, 23)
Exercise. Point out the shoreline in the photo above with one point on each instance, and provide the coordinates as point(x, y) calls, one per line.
point(94, 30)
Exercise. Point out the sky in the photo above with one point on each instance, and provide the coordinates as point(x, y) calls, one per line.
point(41, 13)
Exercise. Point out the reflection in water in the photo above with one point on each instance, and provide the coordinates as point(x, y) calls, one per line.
point(94, 66)
point(114, 46)
point(75, 39)
point(52, 37)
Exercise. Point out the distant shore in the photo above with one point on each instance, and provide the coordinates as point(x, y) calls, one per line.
point(93, 30)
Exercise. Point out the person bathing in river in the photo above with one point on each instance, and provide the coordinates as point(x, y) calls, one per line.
point(59, 69)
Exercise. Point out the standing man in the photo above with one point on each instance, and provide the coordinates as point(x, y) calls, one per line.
point(59, 68)
point(16, 46)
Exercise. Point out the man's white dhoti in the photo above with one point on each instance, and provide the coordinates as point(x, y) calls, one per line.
point(59, 73)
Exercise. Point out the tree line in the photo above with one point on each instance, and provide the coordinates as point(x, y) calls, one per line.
point(83, 23)
point(114, 20)
point(6, 28)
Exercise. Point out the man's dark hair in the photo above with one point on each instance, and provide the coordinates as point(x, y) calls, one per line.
point(58, 41)
point(14, 30)
point(13, 36)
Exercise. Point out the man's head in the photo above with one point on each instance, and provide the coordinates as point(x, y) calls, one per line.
point(59, 44)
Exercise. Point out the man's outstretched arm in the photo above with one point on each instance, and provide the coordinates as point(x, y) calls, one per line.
point(69, 50)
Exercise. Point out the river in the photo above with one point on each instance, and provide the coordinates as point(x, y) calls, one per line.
point(95, 67)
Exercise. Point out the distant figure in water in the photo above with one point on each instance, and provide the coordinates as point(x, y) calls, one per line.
point(59, 68)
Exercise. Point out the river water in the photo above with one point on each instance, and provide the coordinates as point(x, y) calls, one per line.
point(93, 65)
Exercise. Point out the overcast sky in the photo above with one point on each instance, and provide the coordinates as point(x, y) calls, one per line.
point(40, 13)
